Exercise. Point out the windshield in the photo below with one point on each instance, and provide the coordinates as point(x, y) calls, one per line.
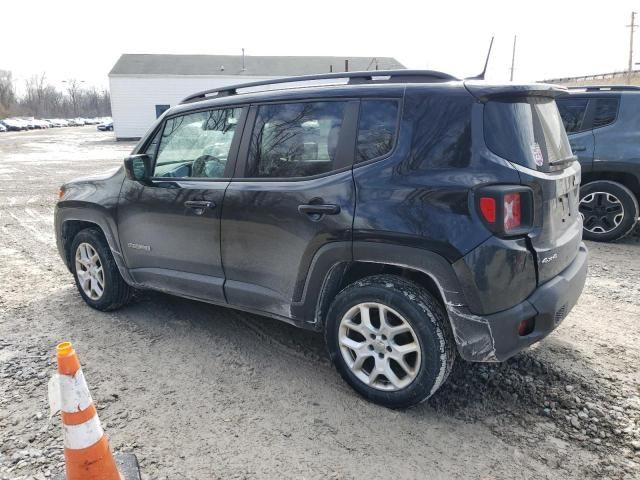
point(527, 131)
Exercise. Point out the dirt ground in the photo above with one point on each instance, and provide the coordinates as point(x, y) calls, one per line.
point(201, 392)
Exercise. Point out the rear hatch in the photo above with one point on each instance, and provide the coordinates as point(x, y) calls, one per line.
point(525, 128)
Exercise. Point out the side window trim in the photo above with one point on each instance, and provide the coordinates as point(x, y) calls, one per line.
point(346, 143)
point(150, 141)
point(400, 102)
point(233, 150)
point(589, 114)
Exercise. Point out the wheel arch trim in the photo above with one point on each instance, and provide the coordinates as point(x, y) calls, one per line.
point(89, 215)
point(472, 333)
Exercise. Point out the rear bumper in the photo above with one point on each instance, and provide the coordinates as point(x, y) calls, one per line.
point(495, 337)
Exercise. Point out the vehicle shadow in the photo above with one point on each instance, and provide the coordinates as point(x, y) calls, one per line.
point(526, 391)
point(534, 384)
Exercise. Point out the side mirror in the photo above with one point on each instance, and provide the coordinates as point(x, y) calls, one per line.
point(138, 167)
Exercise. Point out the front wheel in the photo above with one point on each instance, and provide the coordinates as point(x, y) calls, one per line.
point(389, 340)
point(96, 274)
point(609, 210)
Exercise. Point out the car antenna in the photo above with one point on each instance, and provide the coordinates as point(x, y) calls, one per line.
point(486, 63)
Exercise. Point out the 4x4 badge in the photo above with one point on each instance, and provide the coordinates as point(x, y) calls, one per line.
point(549, 259)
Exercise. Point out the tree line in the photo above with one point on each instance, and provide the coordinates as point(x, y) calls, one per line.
point(40, 99)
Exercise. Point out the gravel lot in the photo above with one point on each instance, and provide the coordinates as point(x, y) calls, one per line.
point(201, 392)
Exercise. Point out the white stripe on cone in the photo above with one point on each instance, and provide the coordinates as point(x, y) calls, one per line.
point(74, 393)
point(83, 435)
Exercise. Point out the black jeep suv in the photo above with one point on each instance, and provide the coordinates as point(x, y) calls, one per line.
point(404, 214)
point(603, 124)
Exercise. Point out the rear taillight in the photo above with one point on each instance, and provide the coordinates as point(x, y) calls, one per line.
point(512, 211)
point(488, 209)
point(506, 210)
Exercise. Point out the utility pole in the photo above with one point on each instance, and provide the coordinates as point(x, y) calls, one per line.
point(513, 56)
point(633, 28)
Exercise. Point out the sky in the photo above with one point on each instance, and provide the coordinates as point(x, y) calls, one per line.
point(83, 39)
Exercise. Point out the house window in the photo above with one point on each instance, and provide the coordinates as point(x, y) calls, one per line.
point(160, 109)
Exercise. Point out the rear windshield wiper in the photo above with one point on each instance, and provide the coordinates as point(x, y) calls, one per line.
point(562, 161)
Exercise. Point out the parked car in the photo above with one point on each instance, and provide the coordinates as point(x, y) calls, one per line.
point(41, 124)
point(2, 127)
point(105, 126)
point(14, 125)
point(409, 216)
point(603, 123)
point(28, 122)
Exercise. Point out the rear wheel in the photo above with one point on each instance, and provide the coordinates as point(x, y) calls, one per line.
point(389, 340)
point(609, 210)
point(95, 271)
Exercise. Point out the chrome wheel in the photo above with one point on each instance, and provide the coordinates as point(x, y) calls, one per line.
point(89, 271)
point(379, 346)
point(601, 212)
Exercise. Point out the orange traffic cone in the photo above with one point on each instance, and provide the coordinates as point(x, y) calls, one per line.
point(86, 447)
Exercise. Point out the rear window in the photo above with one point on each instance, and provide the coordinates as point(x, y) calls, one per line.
point(606, 111)
point(376, 128)
point(572, 111)
point(527, 131)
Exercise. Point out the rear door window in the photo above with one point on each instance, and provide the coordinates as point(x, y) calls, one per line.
point(295, 139)
point(528, 131)
point(377, 128)
point(572, 111)
point(606, 111)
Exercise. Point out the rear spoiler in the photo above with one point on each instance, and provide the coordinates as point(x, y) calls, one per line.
point(483, 91)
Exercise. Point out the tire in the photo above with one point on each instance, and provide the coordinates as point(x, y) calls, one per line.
point(609, 210)
point(114, 291)
point(404, 303)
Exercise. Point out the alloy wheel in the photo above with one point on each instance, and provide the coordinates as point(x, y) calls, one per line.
point(89, 271)
point(379, 346)
point(601, 212)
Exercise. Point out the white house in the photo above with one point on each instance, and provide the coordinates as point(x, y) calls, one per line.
point(144, 86)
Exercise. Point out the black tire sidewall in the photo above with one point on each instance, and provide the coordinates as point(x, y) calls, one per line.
point(425, 316)
point(111, 273)
point(629, 203)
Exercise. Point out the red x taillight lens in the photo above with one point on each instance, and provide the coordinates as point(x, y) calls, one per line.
point(512, 212)
point(506, 210)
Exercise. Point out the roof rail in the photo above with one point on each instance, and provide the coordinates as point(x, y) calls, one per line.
point(387, 76)
point(605, 88)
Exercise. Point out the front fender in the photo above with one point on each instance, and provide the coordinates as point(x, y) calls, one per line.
point(90, 202)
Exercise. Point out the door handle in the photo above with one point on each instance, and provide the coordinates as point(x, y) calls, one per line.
point(576, 148)
point(199, 206)
point(319, 209)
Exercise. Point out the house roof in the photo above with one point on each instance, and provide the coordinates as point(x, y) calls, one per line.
point(271, 66)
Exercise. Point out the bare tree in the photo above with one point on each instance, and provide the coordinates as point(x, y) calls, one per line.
point(34, 94)
point(7, 93)
point(74, 89)
point(41, 99)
